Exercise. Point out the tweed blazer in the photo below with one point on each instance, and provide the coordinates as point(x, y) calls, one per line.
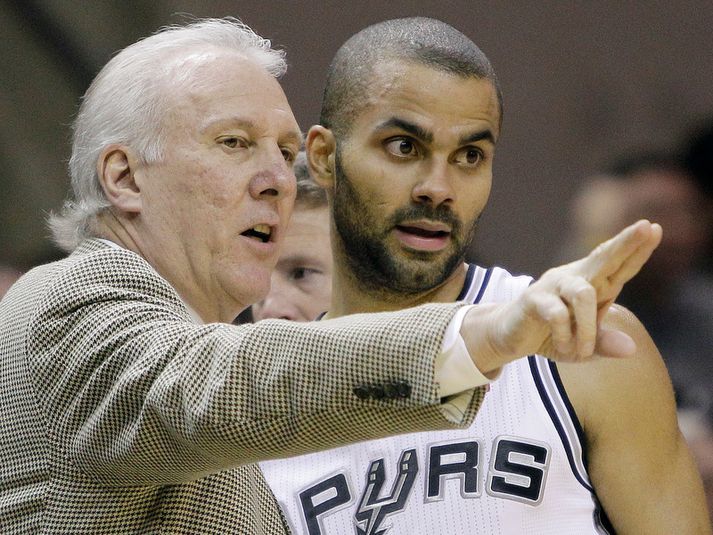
point(120, 414)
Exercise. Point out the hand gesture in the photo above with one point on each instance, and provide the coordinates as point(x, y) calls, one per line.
point(560, 315)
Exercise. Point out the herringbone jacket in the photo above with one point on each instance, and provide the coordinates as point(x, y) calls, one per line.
point(119, 414)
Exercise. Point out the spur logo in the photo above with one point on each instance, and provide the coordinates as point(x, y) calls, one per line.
point(517, 471)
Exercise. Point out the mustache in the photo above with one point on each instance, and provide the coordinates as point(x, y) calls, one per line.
point(441, 213)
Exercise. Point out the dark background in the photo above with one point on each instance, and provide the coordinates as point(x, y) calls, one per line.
point(584, 82)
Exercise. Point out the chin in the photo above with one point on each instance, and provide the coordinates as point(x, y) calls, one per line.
point(250, 286)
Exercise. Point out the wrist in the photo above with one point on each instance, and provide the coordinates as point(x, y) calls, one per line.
point(479, 332)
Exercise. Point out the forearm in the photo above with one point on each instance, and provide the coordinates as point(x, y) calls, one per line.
point(161, 401)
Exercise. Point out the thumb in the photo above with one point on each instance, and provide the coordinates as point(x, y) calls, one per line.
point(614, 344)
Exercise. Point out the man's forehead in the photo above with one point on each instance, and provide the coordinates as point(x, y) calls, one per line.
point(408, 92)
point(227, 88)
point(392, 70)
point(398, 79)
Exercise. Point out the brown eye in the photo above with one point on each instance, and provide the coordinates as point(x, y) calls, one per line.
point(233, 142)
point(288, 155)
point(299, 273)
point(401, 147)
point(470, 156)
point(405, 147)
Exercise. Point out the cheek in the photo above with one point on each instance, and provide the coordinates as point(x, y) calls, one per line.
point(475, 200)
point(369, 176)
point(389, 193)
point(481, 190)
point(316, 299)
point(215, 193)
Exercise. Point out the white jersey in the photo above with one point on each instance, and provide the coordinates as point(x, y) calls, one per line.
point(519, 469)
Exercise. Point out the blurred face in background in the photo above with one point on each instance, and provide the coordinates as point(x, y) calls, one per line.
point(672, 199)
point(664, 195)
point(300, 286)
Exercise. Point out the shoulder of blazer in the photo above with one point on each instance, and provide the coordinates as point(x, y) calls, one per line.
point(98, 271)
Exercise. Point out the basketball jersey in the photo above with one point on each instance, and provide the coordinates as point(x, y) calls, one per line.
point(519, 469)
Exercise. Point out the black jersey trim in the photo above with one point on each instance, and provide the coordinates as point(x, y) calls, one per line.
point(600, 517)
point(468, 281)
point(549, 406)
point(483, 286)
point(570, 409)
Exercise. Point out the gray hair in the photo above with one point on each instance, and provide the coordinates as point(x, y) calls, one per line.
point(126, 104)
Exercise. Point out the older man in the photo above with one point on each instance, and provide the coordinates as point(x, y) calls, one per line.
point(129, 404)
point(410, 120)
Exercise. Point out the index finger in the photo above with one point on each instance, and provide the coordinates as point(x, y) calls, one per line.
point(621, 257)
point(637, 260)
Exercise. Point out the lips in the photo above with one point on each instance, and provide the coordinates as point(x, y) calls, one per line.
point(423, 235)
point(261, 232)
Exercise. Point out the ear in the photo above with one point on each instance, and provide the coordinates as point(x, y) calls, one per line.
point(320, 147)
point(116, 167)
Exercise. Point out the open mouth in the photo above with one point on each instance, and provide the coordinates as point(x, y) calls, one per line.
point(260, 232)
point(423, 233)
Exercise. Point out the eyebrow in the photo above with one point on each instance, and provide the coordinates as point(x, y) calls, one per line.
point(413, 129)
point(474, 137)
point(225, 121)
point(424, 135)
point(298, 260)
point(294, 136)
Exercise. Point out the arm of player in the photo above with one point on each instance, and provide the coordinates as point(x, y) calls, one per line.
point(639, 463)
point(559, 315)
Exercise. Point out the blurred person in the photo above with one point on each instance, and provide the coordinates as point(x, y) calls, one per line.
point(301, 283)
point(698, 158)
point(698, 155)
point(672, 295)
point(8, 276)
point(410, 118)
point(130, 404)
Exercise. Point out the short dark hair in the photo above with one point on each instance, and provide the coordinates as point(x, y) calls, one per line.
point(422, 40)
point(309, 194)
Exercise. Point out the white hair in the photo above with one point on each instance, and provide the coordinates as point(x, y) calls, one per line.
point(126, 104)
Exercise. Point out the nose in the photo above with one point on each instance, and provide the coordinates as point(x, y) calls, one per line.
point(277, 304)
point(275, 178)
point(436, 187)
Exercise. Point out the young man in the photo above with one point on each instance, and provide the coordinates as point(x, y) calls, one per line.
point(301, 284)
point(410, 118)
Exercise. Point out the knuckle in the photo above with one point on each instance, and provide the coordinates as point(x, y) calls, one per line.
point(585, 294)
point(560, 318)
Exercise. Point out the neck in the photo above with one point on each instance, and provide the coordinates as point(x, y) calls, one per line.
point(110, 227)
point(349, 297)
point(123, 232)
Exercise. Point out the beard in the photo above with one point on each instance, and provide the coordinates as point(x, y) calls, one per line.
point(364, 240)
